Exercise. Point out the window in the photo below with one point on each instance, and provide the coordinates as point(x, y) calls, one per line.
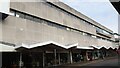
point(28, 17)
point(106, 32)
point(37, 20)
point(17, 14)
point(81, 33)
point(61, 27)
point(98, 37)
point(68, 29)
point(89, 35)
point(93, 36)
point(84, 33)
point(55, 25)
point(13, 13)
point(49, 23)
point(93, 26)
point(21, 15)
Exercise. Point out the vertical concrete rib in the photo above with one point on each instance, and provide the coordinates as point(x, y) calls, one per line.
point(55, 55)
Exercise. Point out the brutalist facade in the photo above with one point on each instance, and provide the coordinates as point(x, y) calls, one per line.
point(45, 33)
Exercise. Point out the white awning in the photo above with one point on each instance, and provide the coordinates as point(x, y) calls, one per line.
point(6, 48)
point(107, 47)
point(114, 47)
point(95, 46)
point(46, 43)
point(81, 47)
point(110, 46)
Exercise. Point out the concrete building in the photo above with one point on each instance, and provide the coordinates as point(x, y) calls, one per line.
point(117, 7)
point(47, 28)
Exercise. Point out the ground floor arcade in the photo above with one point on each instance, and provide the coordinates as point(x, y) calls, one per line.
point(52, 55)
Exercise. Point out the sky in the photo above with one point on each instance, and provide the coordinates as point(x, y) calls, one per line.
point(100, 11)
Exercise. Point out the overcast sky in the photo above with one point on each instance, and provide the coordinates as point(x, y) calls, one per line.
point(99, 10)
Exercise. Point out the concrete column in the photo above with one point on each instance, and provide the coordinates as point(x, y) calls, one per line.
point(68, 60)
point(20, 63)
point(98, 52)
point(0, 59)
point(55, 54)
point(93, 55)
point(119, 38)
point(85, 56)
point(59, 57)
point(71, 60)
point(43, 59)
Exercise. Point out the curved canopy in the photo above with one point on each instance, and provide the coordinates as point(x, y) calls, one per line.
point(6, 48)
point(45, 44)
point(107, 47)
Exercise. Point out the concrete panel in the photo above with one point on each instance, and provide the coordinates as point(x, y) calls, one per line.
point(20, 36)
point(18, 6)
point(32, 32)
point(8, 34)
point(66, 7)
point(20, 24)
point(10, 21)
point(44, 11)
point(0, 59)
point(0, 30)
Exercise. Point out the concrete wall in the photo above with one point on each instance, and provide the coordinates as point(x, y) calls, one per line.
point(46, 12)
point(0, 30)
point(119, 29)
point(17, 30)
point(66, 7)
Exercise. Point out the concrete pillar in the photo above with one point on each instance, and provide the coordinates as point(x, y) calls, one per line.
point(0, 59)
point(20, 61)
point(59, 57)
point(55, 54)
point(68, 60)
point(93, 55)
point(85, 56)
point(98, 52)
point(119, 40)
point(43, 59)
point(71, 60)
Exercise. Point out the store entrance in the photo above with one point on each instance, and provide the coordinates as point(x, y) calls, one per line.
point(10, 59)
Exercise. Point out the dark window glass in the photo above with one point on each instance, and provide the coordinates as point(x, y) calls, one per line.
point(50, 23)
point(28, 17)
point(21, 15)
point(37, 20)
point(13, 13)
